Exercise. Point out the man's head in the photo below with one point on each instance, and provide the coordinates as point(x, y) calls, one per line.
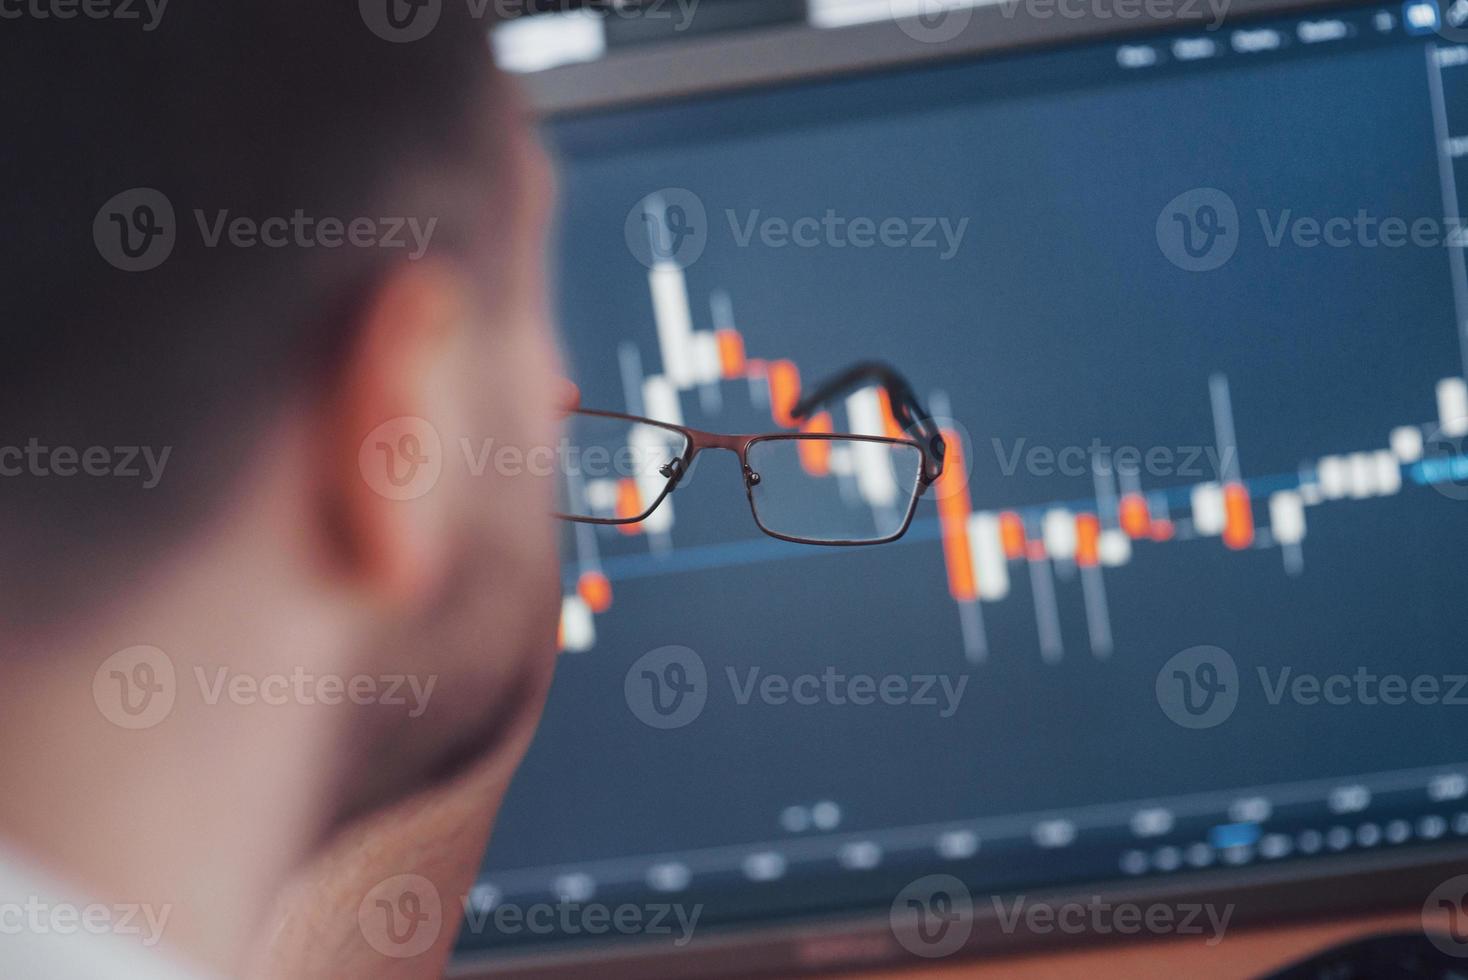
point(305, 367)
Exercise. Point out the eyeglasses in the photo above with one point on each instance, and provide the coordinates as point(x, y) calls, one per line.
point(816, 486)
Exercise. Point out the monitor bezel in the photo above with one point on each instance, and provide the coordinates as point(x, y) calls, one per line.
point(648, 74)
point(1379, 882)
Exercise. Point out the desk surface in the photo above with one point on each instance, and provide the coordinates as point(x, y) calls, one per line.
point(1246, 953)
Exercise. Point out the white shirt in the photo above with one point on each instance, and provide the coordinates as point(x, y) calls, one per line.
point(47, 935)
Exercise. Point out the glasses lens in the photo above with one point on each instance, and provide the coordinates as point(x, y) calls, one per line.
point(834, 489)
point(613, 468)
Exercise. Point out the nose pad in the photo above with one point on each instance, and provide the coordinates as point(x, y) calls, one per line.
point(673, 470)
point(751, 478)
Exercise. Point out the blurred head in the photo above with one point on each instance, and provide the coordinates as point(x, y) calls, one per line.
point(288, 273)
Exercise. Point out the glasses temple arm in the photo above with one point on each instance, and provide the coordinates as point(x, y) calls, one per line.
point(906, 409)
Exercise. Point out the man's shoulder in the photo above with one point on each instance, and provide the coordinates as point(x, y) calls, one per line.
point(50, 932)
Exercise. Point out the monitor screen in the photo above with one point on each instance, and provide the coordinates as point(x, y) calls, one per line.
point(1190, 309)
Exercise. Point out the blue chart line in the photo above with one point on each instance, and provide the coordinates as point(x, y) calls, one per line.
point(757, 551)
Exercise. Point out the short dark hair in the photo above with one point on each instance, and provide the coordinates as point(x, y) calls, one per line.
point(263, 109)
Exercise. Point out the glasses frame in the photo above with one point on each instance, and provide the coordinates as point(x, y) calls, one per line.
point(906, 410)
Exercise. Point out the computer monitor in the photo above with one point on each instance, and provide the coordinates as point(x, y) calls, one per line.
point(1184, 623)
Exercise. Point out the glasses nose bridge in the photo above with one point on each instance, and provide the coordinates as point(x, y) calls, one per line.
point(735, 444)
point(700, 440)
